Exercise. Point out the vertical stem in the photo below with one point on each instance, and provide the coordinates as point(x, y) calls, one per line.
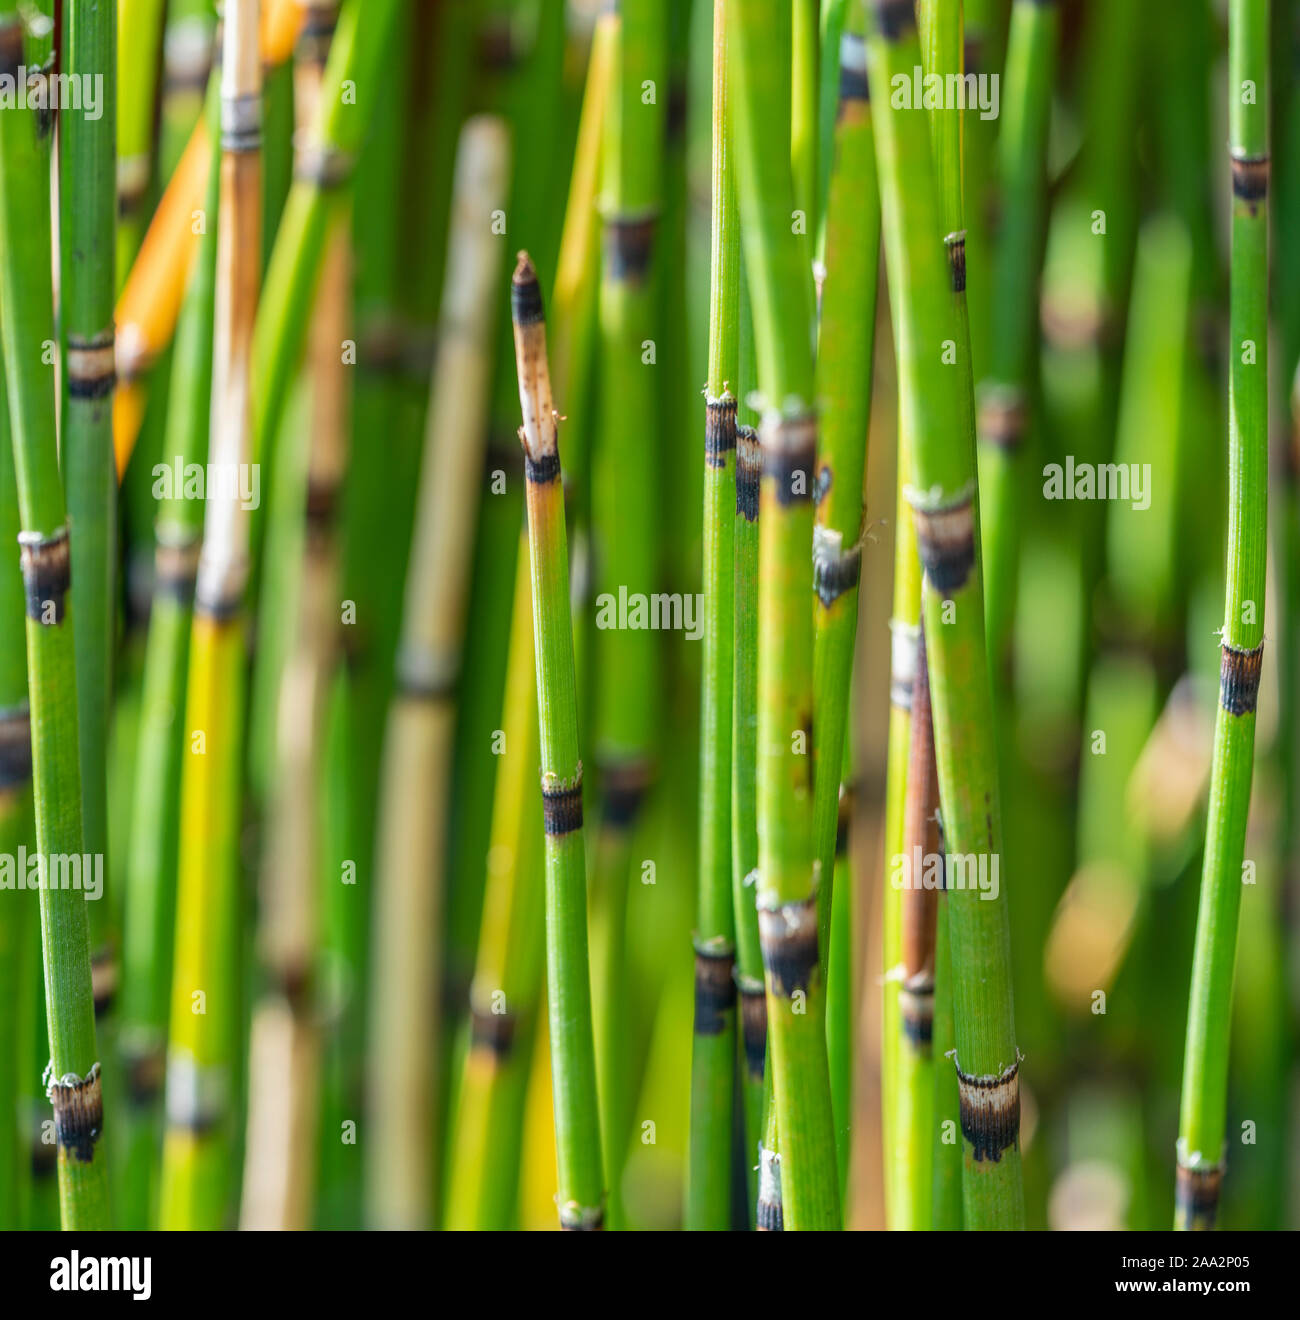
point(1201, 1138)
point(1006, 392)
point(787, 883)
point(708, 1203)
point(17, 905)
point(26, 326)
point(151, 873)
point(744, 753)
point(942, 493)
point(205, 1012)
point(913, 872)
point(416, 777)
point(87, 163)
point(577, 1123)
point(624, 520)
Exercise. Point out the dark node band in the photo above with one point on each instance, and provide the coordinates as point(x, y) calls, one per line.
point(916, 1007)
point(956, 245)
point(15, 747)
point(324, 167)
point(103, 980)
point(1002, 417)
point(220, 606)
point(322, 503)
point(562, 809)
point(47, 574)
point(318, 23)
point(945, 542)
point(11, 46)
point(91, 366)
point(791, 471)
point(496, 46)
point(492, 1032)
point(853, 68)
point(44, 1161)
point(582, 1219)
point(715, 991)
point(1196, 1196)
point(990, 1112)
point(788, 936)
point(719, 431)
point(176, 567)
point(542, 471)
point(628, 247)
point(381, 347)
point(835, 571)
point(623, 789)
point(1250, 177)
point(753, 1027)
point(526, 306)
point(145, 1070)
point(1239, 678)
point(78, 1114)
point(749, 469)
point(895, 18)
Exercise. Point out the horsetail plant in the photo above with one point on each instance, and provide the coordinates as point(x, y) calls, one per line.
point(351, 86)
point(17, 908)
point(581, 1192)
point(1005, 394)
point(850, 261)
point(26, 326)
point(155, 828)
point(624, 475)
point(744, 744)
point(505, 993)
point(1201, 1136)
point(417, 765)
point(204, 1021)
point(916, 1083)
point(708, 1196)
point(138, 48)
point(787, 880)
point(484, 1178)
point(942, 494)
point(87, 157)
point(284, 1090)
point(844, 361)
point(189, 43)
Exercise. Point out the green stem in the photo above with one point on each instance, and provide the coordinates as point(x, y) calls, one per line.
point(708, 1203)
point(27, 325)
point(744, 754)
point(1006, 392)
point(155, 828)
point(787, 883)
point(942, 493)
point(573, 1063)
point(87, 164)
point(1201, 1137)
point(624, 521)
